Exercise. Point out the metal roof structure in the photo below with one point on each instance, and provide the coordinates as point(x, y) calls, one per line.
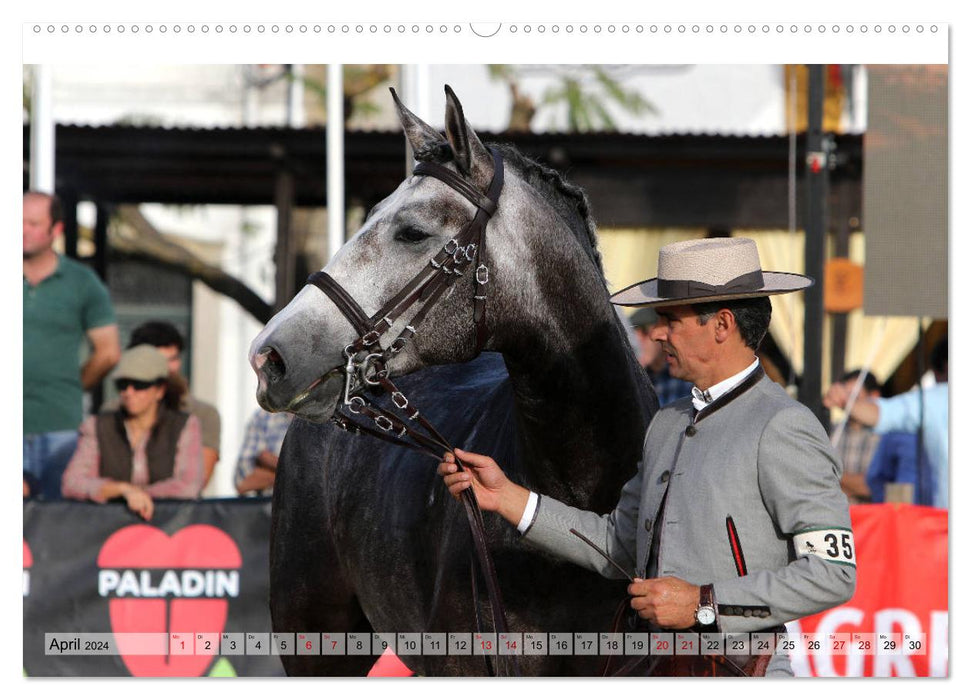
point(715, 181)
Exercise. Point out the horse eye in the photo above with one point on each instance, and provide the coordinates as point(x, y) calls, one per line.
point(409, 234)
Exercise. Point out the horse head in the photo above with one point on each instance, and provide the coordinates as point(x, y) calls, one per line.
point(301, 356)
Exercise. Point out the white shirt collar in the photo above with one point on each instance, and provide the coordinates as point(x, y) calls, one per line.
point(700, 399)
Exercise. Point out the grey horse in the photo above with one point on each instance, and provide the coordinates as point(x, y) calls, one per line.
point(365, 538)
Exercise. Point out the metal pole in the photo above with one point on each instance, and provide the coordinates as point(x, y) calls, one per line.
point(817, 180)
point(284, 255)
point(335, 159)
point(296, 115)
point(414, 85)
point(41, 131)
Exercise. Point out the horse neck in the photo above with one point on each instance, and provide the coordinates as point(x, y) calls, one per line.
point(582, 399)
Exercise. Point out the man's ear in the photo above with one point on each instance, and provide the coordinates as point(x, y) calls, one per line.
point(725, 325)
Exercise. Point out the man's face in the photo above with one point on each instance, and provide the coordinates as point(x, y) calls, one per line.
point(174, 357)
point(39, 233)
point(649, 349)
point(688, 345)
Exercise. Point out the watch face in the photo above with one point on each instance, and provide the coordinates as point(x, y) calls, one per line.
point(706, 616)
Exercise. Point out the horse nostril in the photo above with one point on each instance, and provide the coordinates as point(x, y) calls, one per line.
point(273, 366)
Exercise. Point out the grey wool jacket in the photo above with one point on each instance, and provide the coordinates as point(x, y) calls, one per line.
point(754, 455)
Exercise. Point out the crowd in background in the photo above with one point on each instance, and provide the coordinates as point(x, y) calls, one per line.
point(158, 441)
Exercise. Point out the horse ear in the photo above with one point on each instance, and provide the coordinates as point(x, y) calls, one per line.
point(472, 158)
point(426, 142)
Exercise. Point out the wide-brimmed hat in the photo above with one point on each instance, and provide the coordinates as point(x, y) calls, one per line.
point(143, 363)
point(709, 269)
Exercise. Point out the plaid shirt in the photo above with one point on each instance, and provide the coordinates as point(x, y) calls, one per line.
point(668, 388)
point(265, 431)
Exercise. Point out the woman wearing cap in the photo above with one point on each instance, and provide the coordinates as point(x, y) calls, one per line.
point(145, 449)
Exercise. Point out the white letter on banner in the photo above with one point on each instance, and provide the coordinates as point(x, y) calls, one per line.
point(829, 624)
point(128, 584)
point(227, 584)
point(193, 583)
point(937, 663)
point(886, 622)
point(169, 585)
point(107, 581)
point(797, 657)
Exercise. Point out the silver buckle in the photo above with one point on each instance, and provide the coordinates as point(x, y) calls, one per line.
point(480, 272)
point(372, 341)
point(387, 426)
point(404, 400)
point(367, 366)
point(455, 245)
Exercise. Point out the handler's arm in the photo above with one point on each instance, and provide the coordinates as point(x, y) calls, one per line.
point(799, 477)
point(552, 520)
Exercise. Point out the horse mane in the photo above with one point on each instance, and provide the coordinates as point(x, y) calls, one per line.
point(569, 200)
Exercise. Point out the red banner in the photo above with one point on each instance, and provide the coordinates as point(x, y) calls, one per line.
point(901, 594)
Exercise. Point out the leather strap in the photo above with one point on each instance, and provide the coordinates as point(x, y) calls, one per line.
point(465, 249)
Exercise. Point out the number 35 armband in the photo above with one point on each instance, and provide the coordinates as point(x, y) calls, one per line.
point(835, 545)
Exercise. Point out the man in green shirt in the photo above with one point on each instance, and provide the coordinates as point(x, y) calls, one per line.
point(64, 304)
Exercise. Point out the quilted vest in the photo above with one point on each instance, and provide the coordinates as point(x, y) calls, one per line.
point(117, 453)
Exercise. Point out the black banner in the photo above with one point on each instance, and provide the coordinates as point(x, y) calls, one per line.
point(197, 568)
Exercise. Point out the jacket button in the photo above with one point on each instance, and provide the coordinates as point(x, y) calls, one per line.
point(647, 524)
point(665, 476)
point(690, 430)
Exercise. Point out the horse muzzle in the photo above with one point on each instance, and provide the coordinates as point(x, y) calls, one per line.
point(281, 389)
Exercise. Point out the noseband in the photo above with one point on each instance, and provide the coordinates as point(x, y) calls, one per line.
point(366, 359)
point(366, 366)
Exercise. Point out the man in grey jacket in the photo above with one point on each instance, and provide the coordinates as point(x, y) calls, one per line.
point(735, 521)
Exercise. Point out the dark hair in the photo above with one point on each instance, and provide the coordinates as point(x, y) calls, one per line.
point(160, 334)
point(752, 316)
point(939, 356)
point(870, 382)
point(55, 208)
point(174, 389)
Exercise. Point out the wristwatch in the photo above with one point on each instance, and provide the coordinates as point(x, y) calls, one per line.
point(705, 614)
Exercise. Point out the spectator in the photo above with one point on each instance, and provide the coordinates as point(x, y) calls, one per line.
point(145, 449)
point(167, 339)
point(256, 468)
point(64, 304)
point(921, 409)
point(858, 444)
point(652, 359)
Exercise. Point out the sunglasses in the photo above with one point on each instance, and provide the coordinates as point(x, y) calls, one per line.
point(122, 384)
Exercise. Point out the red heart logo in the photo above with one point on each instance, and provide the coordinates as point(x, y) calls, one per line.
point(194, 550)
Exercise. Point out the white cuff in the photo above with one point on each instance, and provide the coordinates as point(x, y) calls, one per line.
point(528, 513)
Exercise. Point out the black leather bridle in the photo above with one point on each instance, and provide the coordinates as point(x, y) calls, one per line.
point(366, 359)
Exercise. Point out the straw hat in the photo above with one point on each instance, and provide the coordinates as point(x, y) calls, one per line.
point(709, 269)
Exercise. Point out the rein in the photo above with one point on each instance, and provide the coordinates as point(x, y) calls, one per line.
point(366, 366)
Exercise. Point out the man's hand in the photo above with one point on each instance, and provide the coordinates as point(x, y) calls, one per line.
point(864, 410)
point(493, 490)
point(668, 602)
point(139, 502)
point(837, 396)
